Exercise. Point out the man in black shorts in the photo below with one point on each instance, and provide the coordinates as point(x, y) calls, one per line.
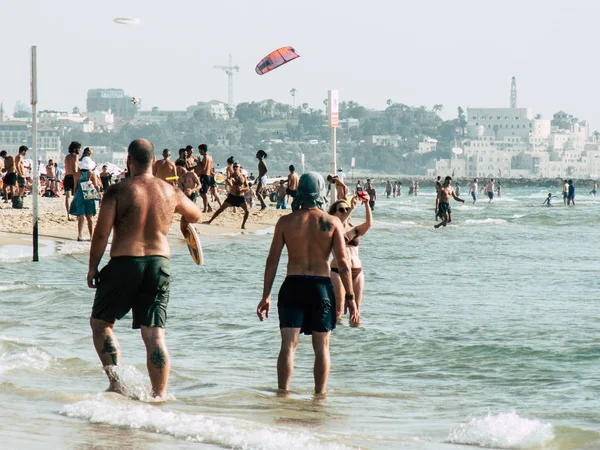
point(238, 186)
point(139, 210)
point(306, 302)
point(10, 179)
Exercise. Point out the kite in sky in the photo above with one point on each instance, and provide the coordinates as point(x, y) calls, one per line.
point(275, 59)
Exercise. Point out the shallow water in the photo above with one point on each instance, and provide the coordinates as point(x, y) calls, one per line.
point(482, 333)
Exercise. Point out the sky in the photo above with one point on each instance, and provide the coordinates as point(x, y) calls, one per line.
point(419, 52)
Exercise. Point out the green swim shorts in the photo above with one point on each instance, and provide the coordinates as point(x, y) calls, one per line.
point(138, 283)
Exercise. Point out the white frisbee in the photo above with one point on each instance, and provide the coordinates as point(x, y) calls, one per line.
point(194, 245)
point(126, 21)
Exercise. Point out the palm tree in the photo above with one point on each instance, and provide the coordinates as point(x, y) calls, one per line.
point(389, 102)
point(293, 92)
point(437, 108)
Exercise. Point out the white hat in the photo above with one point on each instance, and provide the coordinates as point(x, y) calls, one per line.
point(87, 164)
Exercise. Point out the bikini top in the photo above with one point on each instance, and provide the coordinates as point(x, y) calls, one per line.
point(354, 241)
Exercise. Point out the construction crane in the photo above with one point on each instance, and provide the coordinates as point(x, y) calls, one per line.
point(513, 93)
point(229, 70)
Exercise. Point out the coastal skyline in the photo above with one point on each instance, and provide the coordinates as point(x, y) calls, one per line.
point(417, 54)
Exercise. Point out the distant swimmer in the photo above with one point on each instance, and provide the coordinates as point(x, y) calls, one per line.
point(571, 193)
point(443, 202)
point(457, 189)
point(499, 190)
point(165, 168)
point(139, 211)
point(388, 188)
point(238, 185)
point(548, 201)
point(438, 184)
point(565, 191)
point(594, 189)
point(489, 189)
point(306, 302)
point(370, 189)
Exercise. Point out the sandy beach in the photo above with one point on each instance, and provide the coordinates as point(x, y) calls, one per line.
point(16, 225)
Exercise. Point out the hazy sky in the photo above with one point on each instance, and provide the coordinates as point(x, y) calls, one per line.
point(418, 52)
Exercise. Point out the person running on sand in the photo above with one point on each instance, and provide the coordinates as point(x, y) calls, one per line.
point(81, 207)
point(206, 173)
point(261, 155)
point(442, 204)
point(306, 302)
point(165, 168)
point(236, 197)
point(292, 182)
point(139, 212)
point(71, 163)
point(10, 179)
point(342, 210)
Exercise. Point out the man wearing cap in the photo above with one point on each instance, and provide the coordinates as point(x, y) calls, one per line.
point(306, 303)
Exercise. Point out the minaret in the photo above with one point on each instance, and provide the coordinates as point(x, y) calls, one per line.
point(513, 93)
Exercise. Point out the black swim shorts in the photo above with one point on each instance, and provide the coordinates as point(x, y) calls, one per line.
point(68, 183)
point(308, 303)
point(443, 208)
point(235, 200)
point(21, 182)
point(291, 193)
point(140, 283)
point(10, 179)
point(207, 182)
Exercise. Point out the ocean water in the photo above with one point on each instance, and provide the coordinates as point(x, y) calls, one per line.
point(484, 333)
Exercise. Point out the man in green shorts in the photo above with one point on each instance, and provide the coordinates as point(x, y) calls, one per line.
point(306, 302)
point(139, 211)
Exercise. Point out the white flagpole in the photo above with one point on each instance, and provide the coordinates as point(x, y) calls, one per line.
point(35, 187)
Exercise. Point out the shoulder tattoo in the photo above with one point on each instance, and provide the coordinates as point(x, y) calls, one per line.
point(324, 224)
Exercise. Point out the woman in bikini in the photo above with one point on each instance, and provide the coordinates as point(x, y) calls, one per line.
point(342, 210)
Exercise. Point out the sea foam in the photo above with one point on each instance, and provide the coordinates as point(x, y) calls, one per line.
point(488, 221)
point(230, 433)
point(504, 430)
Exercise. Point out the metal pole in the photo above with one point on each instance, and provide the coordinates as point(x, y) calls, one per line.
point(333, 163)
point(35, 187)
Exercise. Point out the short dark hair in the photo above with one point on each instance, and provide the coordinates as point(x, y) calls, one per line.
point(292, 168)
point(23, 148)
point(3, 153)
point(261, 153)
point(203, 147)
point(180, 163)
point(448, 178)
point(189, 147)
point(230, 160)
point(166, 152)
point(181, 150)
point(141, 152)
point(73, 146)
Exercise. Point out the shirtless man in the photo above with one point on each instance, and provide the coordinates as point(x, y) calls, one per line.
point(238, 186)
point(20, 169)
point(190, 161)
point(292, 182)
point(369, 189)
point(442, 202)
point(10, 179)
point(341, 190)
point(306, 300)
point(489, 188)
point(190, 185)
point(51, 176)
point(139, 211)
point(473, 189)
point(565, 192)
point(206, 172)
point(165, 168)
point(71, 167)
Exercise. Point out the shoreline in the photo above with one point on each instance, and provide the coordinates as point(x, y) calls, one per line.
point(58, 236)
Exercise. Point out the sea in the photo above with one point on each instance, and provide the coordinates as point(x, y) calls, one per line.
point(484, 333)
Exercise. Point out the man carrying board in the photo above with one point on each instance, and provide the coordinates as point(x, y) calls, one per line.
point(139, 211)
